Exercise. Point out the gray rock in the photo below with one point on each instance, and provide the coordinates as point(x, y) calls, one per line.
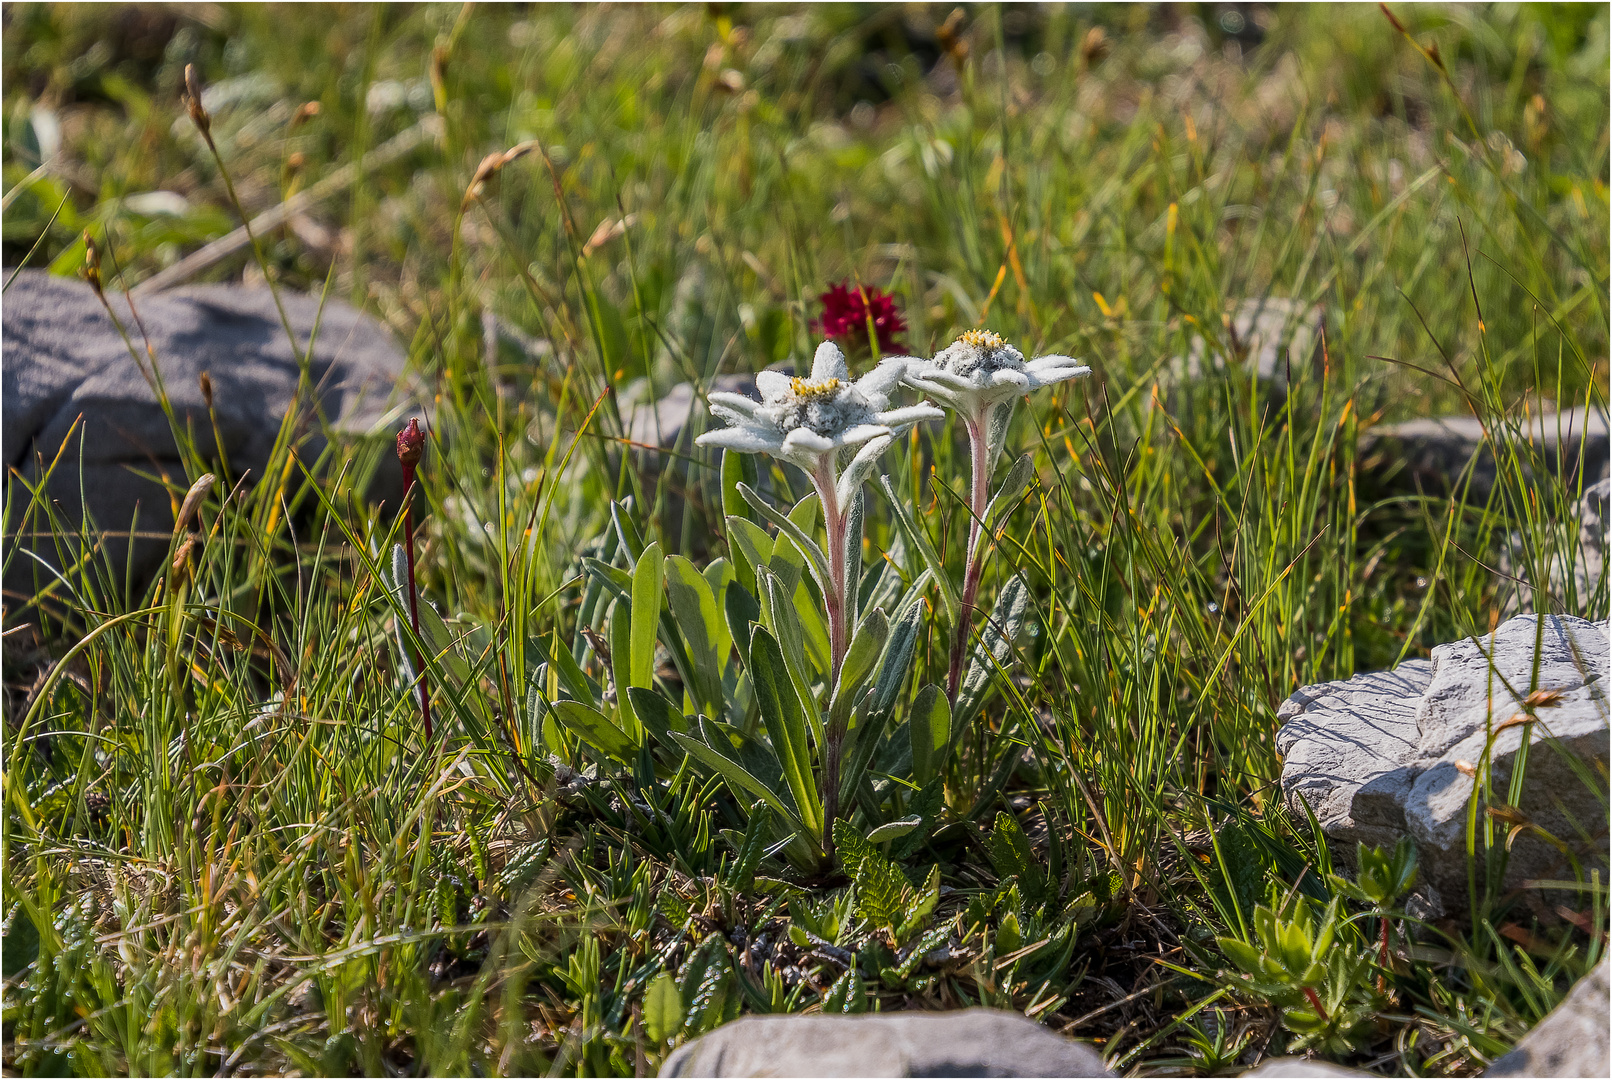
point(1296, 1067)
point(661, 423)
point(1273, 335)
point(1389, 754)
point(970, 1042)
point(70, 385)
point(1434, 451)
point(1571, 1040)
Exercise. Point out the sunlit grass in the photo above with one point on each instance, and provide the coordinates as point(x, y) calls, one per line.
point(224, 825)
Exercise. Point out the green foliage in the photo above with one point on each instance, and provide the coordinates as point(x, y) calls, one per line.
point(617, 840)
point(1382, 879)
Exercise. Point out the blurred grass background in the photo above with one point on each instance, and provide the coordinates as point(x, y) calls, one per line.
point(1107, 181)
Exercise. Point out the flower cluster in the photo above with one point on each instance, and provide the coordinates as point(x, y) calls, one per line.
point(847, 310)
point(815, 421)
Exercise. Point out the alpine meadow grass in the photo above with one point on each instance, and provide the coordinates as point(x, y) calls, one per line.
point(610, 735)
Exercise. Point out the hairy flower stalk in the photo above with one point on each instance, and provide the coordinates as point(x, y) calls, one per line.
point(812, 422)
point(981, 377)
point(410, 448)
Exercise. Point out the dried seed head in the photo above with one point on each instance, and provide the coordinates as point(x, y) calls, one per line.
point(411, 444)
point(206, 382)
point(1515, 720)
point(92, 263)
point(490, 167)
point(295, 161)
point(1095, 47)
point(193, 499)
point(305, 112)
point(1544, 699)
point(1509, 814)
point(951, 42)
point(182, 556)
point(1466, 768)
point(192, 97)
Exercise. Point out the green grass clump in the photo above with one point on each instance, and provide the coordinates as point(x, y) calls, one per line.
point(228, 845)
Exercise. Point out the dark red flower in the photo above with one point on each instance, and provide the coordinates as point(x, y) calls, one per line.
point(845, 316)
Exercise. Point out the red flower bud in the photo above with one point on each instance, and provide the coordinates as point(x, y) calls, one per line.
point(411, 444)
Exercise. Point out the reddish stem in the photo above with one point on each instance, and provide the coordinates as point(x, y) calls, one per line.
point(1315, 1000)
point(410, 447)
point(1382, 984)
point(834, 528)
point(979, 488)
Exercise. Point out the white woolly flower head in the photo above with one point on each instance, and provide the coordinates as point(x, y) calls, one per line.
point(980, 369)
point(803, 419)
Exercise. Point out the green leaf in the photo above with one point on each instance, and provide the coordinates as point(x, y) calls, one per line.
point(930, 727)
point(616, 581)
point(631, 541)
point(926, 550)
point(694, 606)
point(647, 580)
point(663, 1008)
point(927, 805)
point(992, 651)
point(1018, 476)
point(782, 618)
point(892, 830)
point(621, 621)
point(874, 711)
point(21, 942)
point(880, 885)
point(751, 542)
point(738, 468)
point(576, 682)
point(1009, 849)
point(719, 575)
point(595, 729)
point(786, 725)
point(1242, 954)
point(713, 750)
point(805, 510)
point(741, 874)
point(853, 555)
point(847, 994)
point(741, 611)
point(920, 905)
point(867, 644)
point(657, 714)
point(1008, 935)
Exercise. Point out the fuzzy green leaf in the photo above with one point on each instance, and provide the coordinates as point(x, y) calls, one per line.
point(596, 729)
point(929, 725)
point(786, 725)
point(647, 580)
point(663, 1008)
point(700, 621)
point(919, 539)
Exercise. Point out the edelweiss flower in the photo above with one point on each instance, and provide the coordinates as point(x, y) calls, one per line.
point(980, 369)
point(982, 377)
point(809, 421)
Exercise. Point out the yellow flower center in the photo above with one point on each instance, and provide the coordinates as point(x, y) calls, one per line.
point(983, 339)
point(820, 388)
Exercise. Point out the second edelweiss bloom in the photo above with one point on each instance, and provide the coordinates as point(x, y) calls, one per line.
point(980, 369)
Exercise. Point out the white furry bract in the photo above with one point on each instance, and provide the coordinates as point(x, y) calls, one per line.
point(802, 420)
